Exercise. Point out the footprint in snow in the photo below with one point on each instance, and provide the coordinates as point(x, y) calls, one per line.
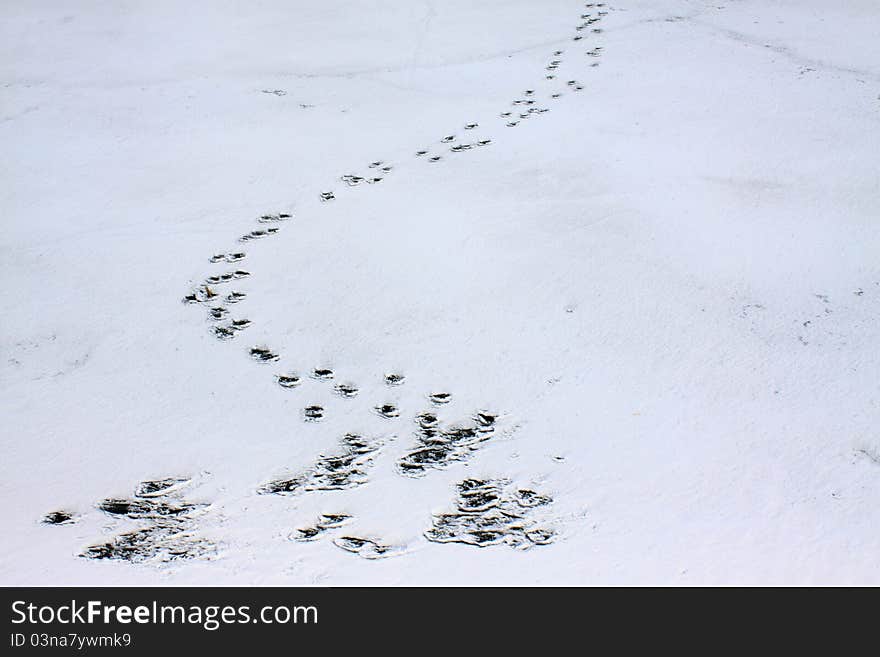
point(437, 444)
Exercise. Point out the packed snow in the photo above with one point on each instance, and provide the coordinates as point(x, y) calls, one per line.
point(499, 292)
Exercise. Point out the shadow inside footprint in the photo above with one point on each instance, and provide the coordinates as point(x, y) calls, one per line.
point(346, 390)
point(489, 513)
point(313, 413)
point(59, 518)
point(387, 411)
point(263, 354)
point(288, 380)
point(326, 522)
point(437, 448)
point(158, 487)
point(364, 547)
point(346, 469)
point(257, 234)
point(440, 398)
point(322, 374)
point(166, 532)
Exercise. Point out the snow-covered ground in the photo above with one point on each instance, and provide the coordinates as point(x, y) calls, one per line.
point(666, 288)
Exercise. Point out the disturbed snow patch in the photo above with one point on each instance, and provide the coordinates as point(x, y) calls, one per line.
point(492, 512)
point(166, 526)
point(438, 447)
point(346, 469)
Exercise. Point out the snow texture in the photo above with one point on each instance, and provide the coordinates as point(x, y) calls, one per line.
point(598, 282)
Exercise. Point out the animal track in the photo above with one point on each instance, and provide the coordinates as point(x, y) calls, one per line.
point(218, 312)
point(818, 323)
point(144, 508)
point(222, 332)
point(235, 297)
point(166, 531)
point(427, 420)
point(394, 379)
point(288, 380)
point(228, 331)
point(345, 390)
point(257, 234)
point(491, 512)
point(59, 518)
point(263, 355)
point(160, 487)
point(228, 257)
point(273, 218)
point(201, 294)
point(162, 543)
point(387, 411)
point(437, 445)
point(321, 374)
point(440, 398)
point(326, 522)
point(346, 469)
point(437, 448)
point(227, 277)
point(487, 512)
point(313, 413)
point(364, 547)
point(352, 180)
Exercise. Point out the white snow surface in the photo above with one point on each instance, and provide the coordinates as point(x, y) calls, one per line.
point(668, 286)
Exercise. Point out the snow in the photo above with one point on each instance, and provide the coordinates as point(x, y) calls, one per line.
point(667, 286)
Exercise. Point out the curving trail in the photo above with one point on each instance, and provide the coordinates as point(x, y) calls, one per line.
point(487, 512)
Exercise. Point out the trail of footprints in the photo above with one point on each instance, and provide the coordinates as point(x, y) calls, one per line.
point(163, 525)
point(437, 447)
point(346, 468)
point(493, 512)
point(817, 326)
point(488, 512)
